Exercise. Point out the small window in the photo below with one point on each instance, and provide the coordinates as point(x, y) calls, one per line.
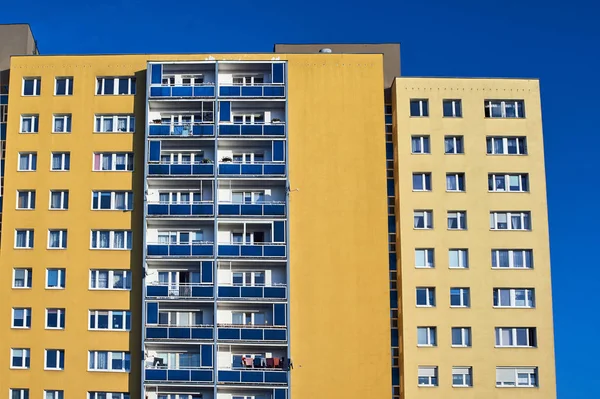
point(112, 200)
point(64, 86)
point(419, 107)
point(510, 221)
point(461, 337)
point(522, 377)
point(21, 318)
point(516, 336)
point(460, 297)
point(27, 161)
point(55, 319)
point(19, 393)
point(454, 145)
point(423, 219)
point(30, 123)
point(462, 376)
point(420, 145)
point(19, 358)
point(54, 394)
point(114, 124)
point(22, 278)
point(110, 280)
point(514, 298)
point(57, 239)
point(123, 85)
point(421, 181)
point(504, 108)
point(109, 361)
point(512, 258)
point(516, 183)
point(107, 239)
point(457, 220)
point(32, 86)
point(114, 320)
point(426, 296)
point(59, 200)
point(452, 108)
point(26, 199)
point(54, 359)
point(119, 395)
point(56, 278)
point(426, 336)
point(506, 145)
point(24, 239)
point(61, 123)
point(428, 376)
point(106, 161)
point(61, 161)
point(458, 258)
point(455, 182)
point(424, 258)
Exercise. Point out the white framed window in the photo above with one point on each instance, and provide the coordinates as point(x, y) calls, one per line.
point(61, 161)
point(421, 181)
point(419, 107)
point(460, 297)
point(420, 145)
point(21, 318)
point(506, 145)
point(186, 157)
point(504, 108)
point(452, 108)
point(56, 278)
point(423, 219)
point(108, 161)
point(19, 393)
point(114, 124)
point(508, 182)
point(516, 220)
point(27, 161)
point(454, 145)
point(19, 358)
point(111, 239)
point(248, 278)
point(54, 394)
point(57, 239)
point(455, 182)
point(461, 337)
point(109, 395)
point(424, 258)
point(24, 238)
point(248, 118)
point(239, 197)
point(123, 85)
point(187, 237)
point(110, 279)
point(109, 361)
point(59, 200)
point(112, 200)
point(249, 318)
point(426, 336)
point(457, 220)
point(115, 320)
point(512, 259)
point(63, 86)
point(462, 376)
point(425, 297)
point(516, 336)
point(29, 123)
point(192, 80)
point(248, 80)
point(54, 359)
point(32, 86)
point(514, 298)
point(55, 319)
point(428, 376)
point(26, 199)
point(523, 377)
point(22, 278)
point(458, 258)
point(61, 123)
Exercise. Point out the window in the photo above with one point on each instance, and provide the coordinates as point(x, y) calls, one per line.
point(510, 220)
point(458, 258)
point(112, 395)
point(54, 394)
point(121, 161)
point(55, 319)
point(423, 219)
point(421, 181)
point(461, 336)
point(61, 123)
point(57, 239)
point(27, 161)
point(512, 258)
point(516, 336)
point(457, 220)
point(117, 320)
point(63, 86)
point(248, 80)
point(452, 108)
point(455, 182)
point(59, 200)
point(504, 108)
point(454, 145)
point(428, 376)
point(19, 393)
point(508, 182)
point(462, 376)
point(426, 296)
point(32, 86)
point(248, 279)
point(29, 123)
point(419, 107)
point(506, 145)
point(22, 278)
point(112, 200)
point(514, 297)
point(517, 377)
point(124, 85)
point(54, 359)
point(24, 239)
point(21, 318)
point(55, 278)
point(61, 161)
point(111, 239)
point(26, 199)
point(110, 280)
point(19, 358)
point(426, 336)
point(460, 297)
point(109, 361)
point(114, 124)
point(424, 257)
point(420, 145)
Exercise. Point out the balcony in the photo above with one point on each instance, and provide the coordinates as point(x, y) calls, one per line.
point(264, 208)
point(256, 169)
point(252, 333)
point(268, 250)
point(176, 332)
point(277, 292)
point(179, 291)
point(162, 209)
point(195, 375)
point(181, 169)
point(179, 91)
point(179, 363)
point(253, 376)
point(256, 90)
point(196, 249)
point(181, 130)
point(252, 80)
point(264, 130)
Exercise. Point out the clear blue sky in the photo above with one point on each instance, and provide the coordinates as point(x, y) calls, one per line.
point(558, 42)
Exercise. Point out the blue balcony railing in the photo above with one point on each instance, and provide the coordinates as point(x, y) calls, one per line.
point(276, 377)
point(180, 250)
point(252, 169)
point(274, 250)
point(263, 90)
point(159, 91)
point(274, 208)
point(252, 333)
point(181, 169)
point(186, 130)
point(158, 209)
point(159, 332)
point(181, 291)
point(198, 375)
point(232, 292)
point(276, 129)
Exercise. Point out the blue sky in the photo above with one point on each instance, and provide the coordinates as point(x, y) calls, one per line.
point(557, 42)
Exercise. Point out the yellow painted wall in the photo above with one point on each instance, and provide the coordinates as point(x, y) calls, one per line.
point(478, 202)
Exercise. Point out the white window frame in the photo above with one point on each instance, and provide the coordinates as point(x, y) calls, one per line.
point(464, 295)
point(194, 79)
point(23, 392)
point(249, 282)
point(68, 85)
point(27, 280)
point(430, 293)
point(110, 314)
point(248, 79)
point(129, 122)
point(62, 238)
point(64, 156)
point(511, 259)
point(431, 336)
point(113, 200)
point(490, 104)
point(173, 237)
point(113, 161)
point(248, 118)
point(64, 200)
point(101, 81)
point(466, 372)
point(422, 140)
point(458, 177)
point(252, 314)
point(455, 141)
point(56, 394)
point(532, 382)
point(93, 357)
point(461, 220)
point(95, 280)
point(30, 199)
point(25, 354)
point(254, 195)
point(37, 86)
point(176, 157)
point(60, 353)
point(59, 312)
point(429, 372)
point(531, 332)
point(522, 177)
point(67, 121)
point(529, 294)
point(127, 236)
point(427, 215)
point(465, 335)
point(523, 216)
point(423, 176)
point(490, 143)
point(31, 165)
point(462, 256)
point(456, 107)
point(26, 312)
point(428, 256)
point(108, 395)
point(29, 238)
point(35, 123)
point(62, 278)
point(423, 107)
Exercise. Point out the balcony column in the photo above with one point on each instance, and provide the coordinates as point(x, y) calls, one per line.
point(244, 234)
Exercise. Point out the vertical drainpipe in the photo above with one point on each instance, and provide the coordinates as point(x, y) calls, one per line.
point(216, 116)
